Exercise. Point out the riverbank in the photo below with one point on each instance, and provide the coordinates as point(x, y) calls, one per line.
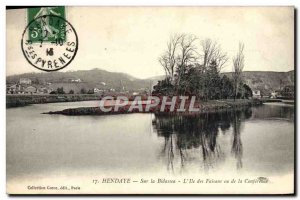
point(204, 107)
point(23, 100)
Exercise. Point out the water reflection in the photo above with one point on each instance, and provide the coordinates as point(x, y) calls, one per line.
point(190, 138)
point(237, 145)
point(254, 141)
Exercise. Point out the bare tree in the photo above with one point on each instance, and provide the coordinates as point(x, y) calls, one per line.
point(164, 62)
point(238, 66)
point(187, 54)
point(211, 51)
point(182, 55)
point(208, 48)
point(220, 58)
point(188, 49)
point(181, 52)
point(168, 59)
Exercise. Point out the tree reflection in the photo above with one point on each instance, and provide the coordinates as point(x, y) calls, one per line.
point(187, 138)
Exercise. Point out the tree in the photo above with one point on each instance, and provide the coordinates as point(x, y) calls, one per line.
point(71, 91)
point(91, 91)
point(238, 66)
point(187, 56)
point(181, 52)
point(213, 60)
point(168, 58)
point(60, 90)
point(187, 74)
point(163, 87)
point(189, 81)
point(83, 91)
point(247, 92)
point(211, 51)
point(213, 81)
point(226, 88)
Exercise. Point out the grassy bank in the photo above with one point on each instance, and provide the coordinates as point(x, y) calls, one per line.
point(23, 100)
point(209, 106)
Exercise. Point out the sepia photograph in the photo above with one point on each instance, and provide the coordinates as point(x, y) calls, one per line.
point(138, 100)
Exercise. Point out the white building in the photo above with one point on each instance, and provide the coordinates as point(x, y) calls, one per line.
point(76, 80)
point(96, 90)
point(44, 90)
point(274, 94)
point(30, 90)
point(256, 94)
point(25, 81)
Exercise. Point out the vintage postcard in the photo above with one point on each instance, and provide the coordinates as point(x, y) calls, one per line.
point(150, 100)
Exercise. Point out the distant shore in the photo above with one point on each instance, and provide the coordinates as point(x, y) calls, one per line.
point(205, 107)
point(20, 100)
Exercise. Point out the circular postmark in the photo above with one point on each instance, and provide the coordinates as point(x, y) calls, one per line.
point(49, 43)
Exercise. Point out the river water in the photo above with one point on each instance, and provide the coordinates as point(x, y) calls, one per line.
point(57, 149)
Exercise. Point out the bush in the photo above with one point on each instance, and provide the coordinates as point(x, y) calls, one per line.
point(83, 91)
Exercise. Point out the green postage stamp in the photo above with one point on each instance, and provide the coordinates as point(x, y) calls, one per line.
point(49, 42)
point(46, 29)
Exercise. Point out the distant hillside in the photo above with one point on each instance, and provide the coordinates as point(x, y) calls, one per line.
point(266, 81)
point(97, 78)
point(90, 79)
point(155, 79)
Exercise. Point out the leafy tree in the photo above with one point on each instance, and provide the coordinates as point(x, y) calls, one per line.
point(213, 81)
point(227, 90)
point(83, 91)
point(247, 92)
point(71, 91)
point(90, 91)
point(60, 90)
point(163, 87)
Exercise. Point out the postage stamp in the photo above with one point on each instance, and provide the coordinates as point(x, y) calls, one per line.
point(49, 42)
point(52, 30)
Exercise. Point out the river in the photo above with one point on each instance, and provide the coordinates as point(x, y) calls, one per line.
point(57, 149)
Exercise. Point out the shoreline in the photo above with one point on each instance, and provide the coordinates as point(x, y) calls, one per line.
point(205, 107)
point(21, 100)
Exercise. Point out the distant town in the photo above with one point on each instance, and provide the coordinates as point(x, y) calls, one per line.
point(29, 86)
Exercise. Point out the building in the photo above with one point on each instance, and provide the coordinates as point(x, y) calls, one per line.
point(274, 94)
point(96, 90)
point(44, 90)
point(76, 80)
point(26, 81)
point(11, 89)
point(14, 89)
point(256, 94)
point(30, 90)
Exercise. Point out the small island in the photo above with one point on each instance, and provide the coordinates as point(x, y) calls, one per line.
point(192, 72)
point(202, 107)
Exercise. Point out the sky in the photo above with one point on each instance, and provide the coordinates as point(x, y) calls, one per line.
point(130, 39)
